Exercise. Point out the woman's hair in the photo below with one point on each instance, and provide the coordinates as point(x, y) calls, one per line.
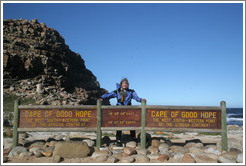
point(124, 80)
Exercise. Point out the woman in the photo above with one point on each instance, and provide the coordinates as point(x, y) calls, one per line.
point(124, 96)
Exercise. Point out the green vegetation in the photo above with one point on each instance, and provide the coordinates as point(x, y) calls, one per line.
point(109, 134)
point(8, 102)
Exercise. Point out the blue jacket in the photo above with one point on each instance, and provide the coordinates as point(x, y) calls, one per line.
point(130, 94)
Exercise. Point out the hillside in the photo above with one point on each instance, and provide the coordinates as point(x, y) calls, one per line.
point(37, 64)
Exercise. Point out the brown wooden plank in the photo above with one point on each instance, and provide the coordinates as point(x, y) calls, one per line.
point(57, 118)
point(163, 118)
point(121, 118)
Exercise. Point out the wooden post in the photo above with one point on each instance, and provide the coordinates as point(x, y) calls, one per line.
point(224, 126)
point(99, 123)
point(16, 123)
point(143, 123)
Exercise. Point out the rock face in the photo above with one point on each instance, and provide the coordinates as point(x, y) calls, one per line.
point(38, 64)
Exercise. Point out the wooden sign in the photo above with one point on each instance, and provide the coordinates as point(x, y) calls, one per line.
point(121, 118)
point(206, 119)
point(57, 118)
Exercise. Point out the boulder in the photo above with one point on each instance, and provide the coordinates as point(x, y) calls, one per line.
point(232, 143)
point(153, 156)
point(178, 156)
point(163, 146)
point(194, 145)
point(112, 159)
point(178, 149)
point(240, 158)
point(71, 149)
point(16, 151)
point(228, 157)
point(153, 150)
point(188, 158)
point(131, 144)
point(128, 151)
point(101, 158)
point(212, 150)
point(25, 154)
point(89, 142)
point(141, 158)
point(142, 151)
point(206, 158)
point(128, 159)
point(56, 159)
point(97, 154)
point(163, 157)
point(155, 143)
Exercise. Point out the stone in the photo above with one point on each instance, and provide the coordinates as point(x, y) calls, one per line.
point(155, 143)
point(47, 153)
point(6, 151)
point(165, 151)
point(235, 150)
point(112, 159)
point(163, 157)
point(52, 143)
point(7, 143)
point(195, 150)
point(194, 145)
point(5, 159)
point(39, 89)
point(205, 158)
point(16, 151)
point(212, 150)
point(23, 135)
point(153, 156)
point(71, 149)
point(131, 144)
point(188, 158)
point(128, 159)
point(141, 158)
point(178, 149)
point(232, 143)
point(142, 151)
point(34, 149)
point(128, 151)
point(228, 157)
point(153, 150)
point(38, 145)
point(240, 158)
point(97, 154)
point(163, 146)
point(56, 159)
point(102, 158)
point(89, 142)
point(38, 154)
point(25, 154)
point(117, 151)
point(178, 156)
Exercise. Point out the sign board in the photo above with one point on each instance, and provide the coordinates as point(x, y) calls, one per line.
point(57, 118)
point(121, 118)
point(145, 118)
point(164, 118)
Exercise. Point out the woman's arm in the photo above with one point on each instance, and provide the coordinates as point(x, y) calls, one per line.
point(109, 95)
point(135, 97)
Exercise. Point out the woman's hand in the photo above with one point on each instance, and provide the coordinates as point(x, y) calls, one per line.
point(100, 99)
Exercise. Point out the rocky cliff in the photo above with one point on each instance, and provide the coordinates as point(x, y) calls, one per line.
point(38, 64)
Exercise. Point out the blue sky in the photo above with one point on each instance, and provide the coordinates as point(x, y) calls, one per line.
point(172, 54)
